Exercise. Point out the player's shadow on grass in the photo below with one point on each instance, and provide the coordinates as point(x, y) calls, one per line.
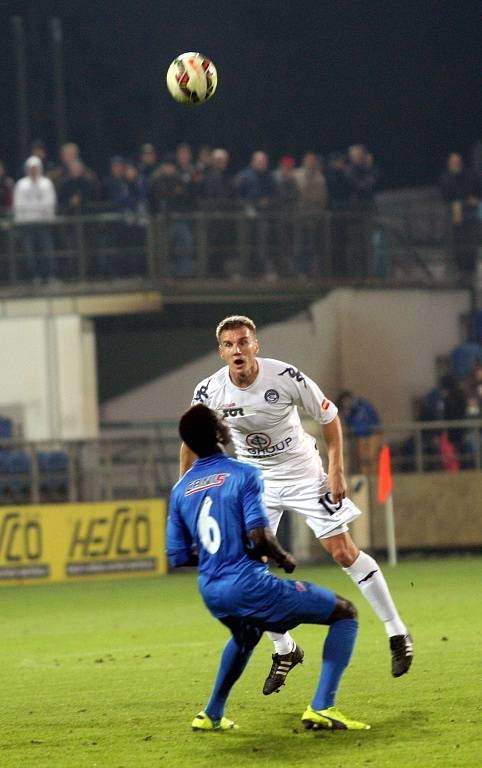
point(289, 730)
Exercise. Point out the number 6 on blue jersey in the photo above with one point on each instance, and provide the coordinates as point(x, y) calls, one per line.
point(208, 528)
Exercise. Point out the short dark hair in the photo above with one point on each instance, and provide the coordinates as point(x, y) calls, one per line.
point(199, 429)
point(235, 321)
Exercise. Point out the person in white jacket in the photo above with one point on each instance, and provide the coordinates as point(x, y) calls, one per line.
point(34, 201)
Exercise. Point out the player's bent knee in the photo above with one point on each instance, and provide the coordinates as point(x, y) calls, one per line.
point(247, 637)
point(344, 609)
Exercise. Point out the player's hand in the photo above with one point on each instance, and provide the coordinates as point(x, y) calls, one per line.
point(337, 485)
point(289, 563)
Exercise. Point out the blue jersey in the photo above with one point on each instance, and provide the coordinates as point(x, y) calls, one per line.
point(212, 508)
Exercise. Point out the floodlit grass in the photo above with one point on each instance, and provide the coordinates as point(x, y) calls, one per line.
point(110, 674)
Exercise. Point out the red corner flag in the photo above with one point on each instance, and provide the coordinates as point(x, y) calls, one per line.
point(385, 483)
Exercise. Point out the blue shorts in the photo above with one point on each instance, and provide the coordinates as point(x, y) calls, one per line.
point(273, 604)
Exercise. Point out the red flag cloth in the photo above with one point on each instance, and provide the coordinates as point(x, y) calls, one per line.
point(385, 482)
point(448, 455)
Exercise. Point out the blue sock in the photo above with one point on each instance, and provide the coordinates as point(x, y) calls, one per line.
point(337, 651)
point(233, 661)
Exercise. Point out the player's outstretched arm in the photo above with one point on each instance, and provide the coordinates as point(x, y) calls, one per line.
point(186, 459)
point(266, 544)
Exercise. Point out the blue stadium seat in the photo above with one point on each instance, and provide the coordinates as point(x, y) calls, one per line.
point(53, 468)
point(6, 428)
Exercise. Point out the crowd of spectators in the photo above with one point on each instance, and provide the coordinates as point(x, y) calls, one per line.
point(181, 181)
point(456, 396)
point(344, 180)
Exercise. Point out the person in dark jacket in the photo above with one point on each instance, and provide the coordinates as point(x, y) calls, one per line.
point(460, 188)
point(361, 420)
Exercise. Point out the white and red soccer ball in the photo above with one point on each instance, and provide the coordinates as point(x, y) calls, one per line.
point(192, 78)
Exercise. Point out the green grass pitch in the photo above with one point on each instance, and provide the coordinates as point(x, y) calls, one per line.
point(109, 675)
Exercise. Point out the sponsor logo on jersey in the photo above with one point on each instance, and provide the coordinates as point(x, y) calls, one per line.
point(325, 404)
point(203, 483)
point(234, 411)
point(271, 396)
point(231, 413)
point(259, 444)
point(295, 374)
point(202, 393)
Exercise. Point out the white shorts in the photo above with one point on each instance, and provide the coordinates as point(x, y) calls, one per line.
point(309, 497)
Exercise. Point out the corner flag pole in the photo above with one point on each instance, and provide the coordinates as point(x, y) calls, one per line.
point(385, 496)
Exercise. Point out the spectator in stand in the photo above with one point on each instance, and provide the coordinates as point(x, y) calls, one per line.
point(461, 190)
point(312, 185)
point(38, 148)
point(148, 163)
point(169, 194)
point(115, 190)
point(77, 190)
point(69, 153)
point(338, 184)
point(286, 191)
point(464, 357)
point(216, 193)
point(477, 160)
point(285, 201)
point(363, 178)
point(455, 408)
point(203, 160)
point(255, 184)
point(362, 421)
point(473, 390)
point(184, 163)
point(339, 195)
point(6, 190)
point(216, 187)
point(34, 202)
point(136, 192)
point(256, 187)
point(312, 203)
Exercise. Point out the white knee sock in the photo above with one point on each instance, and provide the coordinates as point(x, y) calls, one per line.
point(367, 575)
point(282, 643)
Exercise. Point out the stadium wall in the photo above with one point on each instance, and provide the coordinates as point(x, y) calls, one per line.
point(49, 375)
point(380, 343)
point(439, 510)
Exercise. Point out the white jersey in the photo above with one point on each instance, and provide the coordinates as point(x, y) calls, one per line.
point(264, 419)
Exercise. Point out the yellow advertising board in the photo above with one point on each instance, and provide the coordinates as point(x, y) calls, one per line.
point(67, 542)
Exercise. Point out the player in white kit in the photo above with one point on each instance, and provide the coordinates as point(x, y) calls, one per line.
point(259, 398)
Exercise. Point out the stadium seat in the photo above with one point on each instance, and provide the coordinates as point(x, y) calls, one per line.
point(53, 468)
point(6, 428)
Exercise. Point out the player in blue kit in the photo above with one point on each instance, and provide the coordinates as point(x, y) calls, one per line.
point(217, 519)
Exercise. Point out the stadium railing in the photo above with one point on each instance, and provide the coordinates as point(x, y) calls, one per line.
point(408, 245)
point(140, 460)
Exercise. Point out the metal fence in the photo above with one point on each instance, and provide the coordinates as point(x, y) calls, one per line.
point(404, 245)
point(141, 460)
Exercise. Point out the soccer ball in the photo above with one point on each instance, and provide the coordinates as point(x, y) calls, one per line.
point(191, 78)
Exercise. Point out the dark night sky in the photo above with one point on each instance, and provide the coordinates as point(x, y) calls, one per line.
point(402, 77)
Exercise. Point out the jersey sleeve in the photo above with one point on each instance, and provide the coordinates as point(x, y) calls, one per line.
point(308, 395)
point(179, 541)
point(202, 394)
point(254, 510)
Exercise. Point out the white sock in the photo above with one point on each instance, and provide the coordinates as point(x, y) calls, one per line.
point(367, 575)
point(282, 643)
